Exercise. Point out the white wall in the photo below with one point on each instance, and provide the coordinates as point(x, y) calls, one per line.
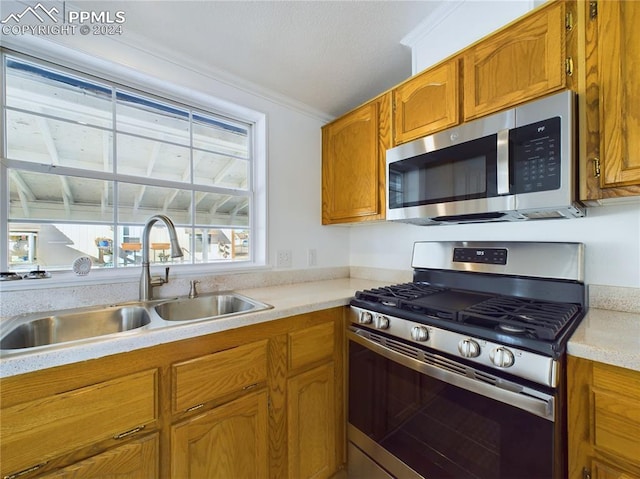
point(611, 233)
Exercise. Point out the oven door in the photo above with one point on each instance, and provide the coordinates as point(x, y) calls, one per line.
point(421, 415)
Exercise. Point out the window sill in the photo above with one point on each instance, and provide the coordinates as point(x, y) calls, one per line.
point(65, 279)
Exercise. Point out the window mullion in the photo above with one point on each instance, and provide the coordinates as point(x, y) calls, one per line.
point(115, 249)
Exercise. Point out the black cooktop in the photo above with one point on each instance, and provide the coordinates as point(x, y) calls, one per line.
point(532, 323)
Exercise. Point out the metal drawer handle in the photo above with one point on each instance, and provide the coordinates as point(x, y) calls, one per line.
point(25, 471)
point(193, 408)
point(122, 435)
point(250, 386)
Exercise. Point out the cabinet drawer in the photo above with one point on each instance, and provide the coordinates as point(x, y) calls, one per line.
point(36, 431)
point(209, 377)
point(310, 345)
point(133, 460)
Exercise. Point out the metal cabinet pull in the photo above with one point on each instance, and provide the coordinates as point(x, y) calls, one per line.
point(250, 386)
point(25, 471)
point(568, 66)
point(596, 167)
point(122, 435)
point(193, 408)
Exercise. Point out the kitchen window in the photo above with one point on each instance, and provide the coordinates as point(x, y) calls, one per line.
point(85, 161)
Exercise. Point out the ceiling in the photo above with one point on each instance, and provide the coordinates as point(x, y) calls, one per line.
point(330, 56)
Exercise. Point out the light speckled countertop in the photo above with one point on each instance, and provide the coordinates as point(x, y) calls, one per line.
point(608, 336)
point(287, 300)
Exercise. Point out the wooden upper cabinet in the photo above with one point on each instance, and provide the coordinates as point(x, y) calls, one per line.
point(619, 74)
point(427, 103)
point(353, 158)
point(519, 63)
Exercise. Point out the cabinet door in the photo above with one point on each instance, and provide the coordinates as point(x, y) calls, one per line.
point(312, 423)
point(353, 159)
point(619, 71)
point(603, 420)
point(522, 62)
point(229, 441)
point(427, 103)
point(135, 460)
point(600, 470)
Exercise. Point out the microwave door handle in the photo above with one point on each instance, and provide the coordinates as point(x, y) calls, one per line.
point(502, 167)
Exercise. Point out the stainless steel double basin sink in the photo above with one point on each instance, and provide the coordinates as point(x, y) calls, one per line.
point(70, 326)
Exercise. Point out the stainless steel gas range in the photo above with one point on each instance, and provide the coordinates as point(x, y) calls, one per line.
point(461, 373)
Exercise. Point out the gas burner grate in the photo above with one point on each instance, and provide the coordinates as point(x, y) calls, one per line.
point(533, 318)
point(392, 295)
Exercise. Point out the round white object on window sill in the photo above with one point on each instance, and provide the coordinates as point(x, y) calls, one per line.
point(82, 265)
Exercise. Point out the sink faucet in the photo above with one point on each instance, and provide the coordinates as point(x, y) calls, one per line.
point(147, 283)
point(193, 290)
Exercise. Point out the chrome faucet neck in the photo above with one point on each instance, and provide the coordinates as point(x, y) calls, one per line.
point(146, 282)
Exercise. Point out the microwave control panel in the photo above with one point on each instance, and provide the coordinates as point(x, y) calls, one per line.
point(536, 152)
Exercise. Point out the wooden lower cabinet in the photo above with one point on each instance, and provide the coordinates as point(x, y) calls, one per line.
point(135, 460)
point(604, 420)
point(230, 441)
point(600, 470)
point(261, 401)
point(312, 423)
point(36, 433)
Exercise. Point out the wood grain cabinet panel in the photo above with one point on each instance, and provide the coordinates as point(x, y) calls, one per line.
point(524, 61)
point(37, 431)
point(206, 378)
point(353, 161)
point(427, 103)
point(230, 441)
point(135, 460)
point(604, 420)
point(619, 74)
point(310, 345)
point(605, 471)
point(312, 424)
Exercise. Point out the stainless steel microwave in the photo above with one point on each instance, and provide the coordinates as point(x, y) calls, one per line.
point(518, 164)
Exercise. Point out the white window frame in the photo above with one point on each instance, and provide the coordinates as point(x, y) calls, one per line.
point(136, 82)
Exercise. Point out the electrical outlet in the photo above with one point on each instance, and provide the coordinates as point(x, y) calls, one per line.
point(284, 259)
point(313, 257)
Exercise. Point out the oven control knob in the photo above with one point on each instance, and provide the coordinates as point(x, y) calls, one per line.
point(381, 322)
point(502, 357)
point(469, 348)
point(365, 317)
point(419, 333)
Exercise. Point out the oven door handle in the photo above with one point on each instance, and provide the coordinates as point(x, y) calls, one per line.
point(522, 397)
